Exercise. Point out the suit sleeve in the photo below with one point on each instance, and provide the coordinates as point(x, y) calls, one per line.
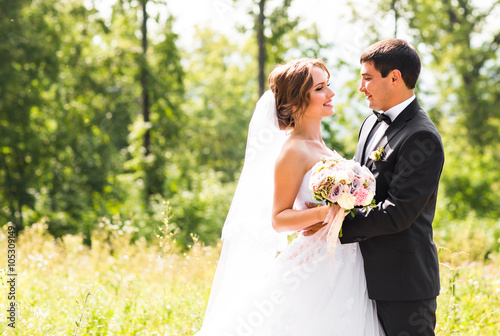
point(411, 185)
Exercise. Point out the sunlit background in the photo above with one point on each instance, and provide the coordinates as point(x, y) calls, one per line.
point(121, 144)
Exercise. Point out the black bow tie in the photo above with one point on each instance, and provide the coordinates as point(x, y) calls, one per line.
point(382, 117)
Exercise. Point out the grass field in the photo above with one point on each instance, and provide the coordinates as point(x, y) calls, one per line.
point(119, 287)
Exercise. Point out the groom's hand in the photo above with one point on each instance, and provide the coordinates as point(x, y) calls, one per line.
point(310, 230)
point(312, 204)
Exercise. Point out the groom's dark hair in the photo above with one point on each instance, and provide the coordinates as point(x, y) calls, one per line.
point(391, 54)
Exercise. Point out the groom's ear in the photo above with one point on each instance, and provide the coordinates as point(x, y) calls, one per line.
point(396, 76)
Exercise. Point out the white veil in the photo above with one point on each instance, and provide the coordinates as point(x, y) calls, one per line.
point(250, 243)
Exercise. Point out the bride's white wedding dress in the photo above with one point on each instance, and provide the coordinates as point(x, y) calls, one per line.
point(304, 293)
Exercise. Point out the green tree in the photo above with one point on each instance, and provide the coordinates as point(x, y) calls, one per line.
point(278, 37)
point(460, 48)
point(167, 98)
point(71, 114)
point(82, 145)
point(209, 155)
point(28, 66)
point(160, 74)
point(455, 34)
point(465, 53)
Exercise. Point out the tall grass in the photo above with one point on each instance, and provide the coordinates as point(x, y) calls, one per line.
point(123, 287)
point(116, 287)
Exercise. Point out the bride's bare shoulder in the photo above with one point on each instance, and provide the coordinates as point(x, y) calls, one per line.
point(294, 155)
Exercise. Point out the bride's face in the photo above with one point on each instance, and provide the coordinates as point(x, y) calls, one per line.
point(320, 105)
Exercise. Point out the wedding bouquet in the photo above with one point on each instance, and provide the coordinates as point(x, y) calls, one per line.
point(336, 180)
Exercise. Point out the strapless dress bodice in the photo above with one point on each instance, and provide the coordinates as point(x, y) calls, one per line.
point(304, 194)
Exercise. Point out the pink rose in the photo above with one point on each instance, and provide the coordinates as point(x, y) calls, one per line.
point(363, 197)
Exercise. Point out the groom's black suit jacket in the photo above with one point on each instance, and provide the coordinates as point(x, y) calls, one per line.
point(395, 238)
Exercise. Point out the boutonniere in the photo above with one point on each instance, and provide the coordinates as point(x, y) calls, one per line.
point(376, 155)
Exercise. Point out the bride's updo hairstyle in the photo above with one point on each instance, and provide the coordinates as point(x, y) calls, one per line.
point(290, 84)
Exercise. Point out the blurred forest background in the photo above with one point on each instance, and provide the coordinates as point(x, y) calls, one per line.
point(108, 116)
point(122, 138)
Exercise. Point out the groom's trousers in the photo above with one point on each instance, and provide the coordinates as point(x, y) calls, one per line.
point(407, 318)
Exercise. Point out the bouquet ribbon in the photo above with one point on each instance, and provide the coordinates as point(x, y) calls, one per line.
point(334, 222)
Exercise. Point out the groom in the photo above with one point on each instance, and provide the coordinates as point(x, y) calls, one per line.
point(403, 149)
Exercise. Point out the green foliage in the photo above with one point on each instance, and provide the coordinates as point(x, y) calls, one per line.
point(166, 115)
point(72, 155)
point(201, 208)
point(465, 58)
point(70, 116)
point(459, 47)
point(209, 155)
point(284, 36)
point(223, 96)
point(458, 38)
point(72, 146)
point(470, 182)
point(26, 46)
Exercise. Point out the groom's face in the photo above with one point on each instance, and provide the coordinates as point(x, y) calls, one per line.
point(377, 89)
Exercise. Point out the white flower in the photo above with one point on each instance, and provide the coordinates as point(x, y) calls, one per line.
point(376, 155)
point(368, 199)
point(343, 177)
point(356, 169)
point(346, 201)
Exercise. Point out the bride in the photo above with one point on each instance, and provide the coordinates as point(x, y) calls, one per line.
point(262, 286)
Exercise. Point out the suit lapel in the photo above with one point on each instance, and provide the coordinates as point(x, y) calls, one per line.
point(363, 135)
point(396, 126)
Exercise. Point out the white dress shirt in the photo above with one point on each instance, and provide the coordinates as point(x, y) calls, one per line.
point(392, 113)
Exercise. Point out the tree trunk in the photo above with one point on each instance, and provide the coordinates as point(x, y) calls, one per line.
point(396, 17)
point(262, 47)
point(145, 96)
point(144, 76)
